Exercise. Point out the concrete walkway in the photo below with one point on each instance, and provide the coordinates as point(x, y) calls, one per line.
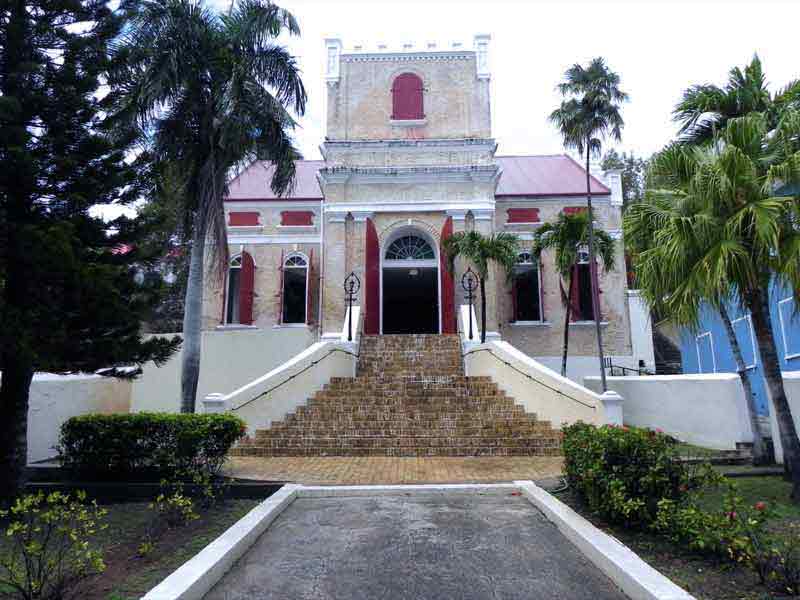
point(455, 546)
point(338, 470)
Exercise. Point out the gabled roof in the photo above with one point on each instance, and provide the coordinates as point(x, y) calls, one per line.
point(536, 176)
point(254, 182)
point(556, 175)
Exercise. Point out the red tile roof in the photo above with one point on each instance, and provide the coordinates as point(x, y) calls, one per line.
point(556, 175)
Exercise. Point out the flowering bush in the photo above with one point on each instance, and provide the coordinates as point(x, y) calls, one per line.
point(625, 473)
point(50, 553)
point(729, 531)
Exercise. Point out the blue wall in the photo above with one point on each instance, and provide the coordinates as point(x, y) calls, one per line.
point(707, 350)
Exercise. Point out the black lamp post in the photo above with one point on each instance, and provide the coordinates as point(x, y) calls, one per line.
point(469, 281)
point(351, 286)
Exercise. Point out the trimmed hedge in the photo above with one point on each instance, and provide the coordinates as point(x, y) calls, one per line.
point(624, 473)
point(144, 445)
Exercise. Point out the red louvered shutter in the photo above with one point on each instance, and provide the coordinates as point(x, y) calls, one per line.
point(595, 289)
point(448, 283)
point(372, 281)
point(279, 295)
point(311, 288)
point(246, 291)
point(407, 97)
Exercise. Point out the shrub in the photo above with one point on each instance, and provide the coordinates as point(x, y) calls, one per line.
point(733, 531)
point(49, 553)
point(148, 444)
point(624, 473)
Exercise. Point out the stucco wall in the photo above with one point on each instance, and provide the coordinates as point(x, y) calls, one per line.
point(791, 383)
point(706, 410)
point(55, 398)
point(535, 387)
point(271, 397)
point(230, 359)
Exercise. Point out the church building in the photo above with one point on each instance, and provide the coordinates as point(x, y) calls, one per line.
point(408, 160)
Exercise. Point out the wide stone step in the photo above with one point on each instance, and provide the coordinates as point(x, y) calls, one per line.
point(426, 451)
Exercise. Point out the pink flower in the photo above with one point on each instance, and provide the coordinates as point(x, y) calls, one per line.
point(659, 430)
point(760, 506)
point(732, 515)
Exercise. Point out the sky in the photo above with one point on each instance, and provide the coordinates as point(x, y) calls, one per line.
point(658, 49)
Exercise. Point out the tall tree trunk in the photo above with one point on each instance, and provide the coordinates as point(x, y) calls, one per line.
point(758, 303)
point(593, 273)
point(483, 310)
point(14, 389)
point(759, 456)
point(566, 326)
point(193, 317)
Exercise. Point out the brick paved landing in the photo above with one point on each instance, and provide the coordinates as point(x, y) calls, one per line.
point(347, 470)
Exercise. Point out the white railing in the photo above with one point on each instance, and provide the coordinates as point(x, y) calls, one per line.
point(535, 387)
point(288, 386)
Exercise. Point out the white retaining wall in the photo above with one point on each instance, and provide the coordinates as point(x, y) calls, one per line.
point(55, 398)
point(230, 359)
point(791, 383)
point(707, 410)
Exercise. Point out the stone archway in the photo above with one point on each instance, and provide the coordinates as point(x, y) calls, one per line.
point(410, 294)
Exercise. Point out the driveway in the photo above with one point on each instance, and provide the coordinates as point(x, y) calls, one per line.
point(455, 546)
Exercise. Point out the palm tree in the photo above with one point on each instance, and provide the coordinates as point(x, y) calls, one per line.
point(717, 231)
point(641, 232)
point(208, 92)
point(480, 251)
point(589, 113)
point(566, 236)
point(706, 109)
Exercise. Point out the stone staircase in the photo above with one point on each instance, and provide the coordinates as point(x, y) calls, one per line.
point(410, 398)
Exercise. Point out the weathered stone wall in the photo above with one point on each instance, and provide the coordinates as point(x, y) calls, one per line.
point(546, 339)
point(269, 218)
point(456, 102)
point(266, 309)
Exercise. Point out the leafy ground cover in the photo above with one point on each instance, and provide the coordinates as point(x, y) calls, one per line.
point(707, 578)
point(128, 575)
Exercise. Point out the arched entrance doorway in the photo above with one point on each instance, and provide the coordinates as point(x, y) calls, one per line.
point(410, 295)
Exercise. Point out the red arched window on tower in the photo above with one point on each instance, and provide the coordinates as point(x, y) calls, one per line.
point(407, 98)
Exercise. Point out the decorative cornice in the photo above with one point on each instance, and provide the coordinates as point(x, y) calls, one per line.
point(409, 56)
point(273, 239)
point(352, 175)
point(455, 209)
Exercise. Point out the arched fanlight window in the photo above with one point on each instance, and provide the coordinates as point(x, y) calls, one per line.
point(295, 288)
point(525, 258)
point(410, 247)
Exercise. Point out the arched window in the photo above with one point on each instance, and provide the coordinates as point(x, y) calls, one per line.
point(239, 295)
point(526, 289)
point(410, 247)
point(295, 288)
point(407, 98)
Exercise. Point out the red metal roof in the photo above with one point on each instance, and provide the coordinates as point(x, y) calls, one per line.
point(556, 175)
point(254, 182)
